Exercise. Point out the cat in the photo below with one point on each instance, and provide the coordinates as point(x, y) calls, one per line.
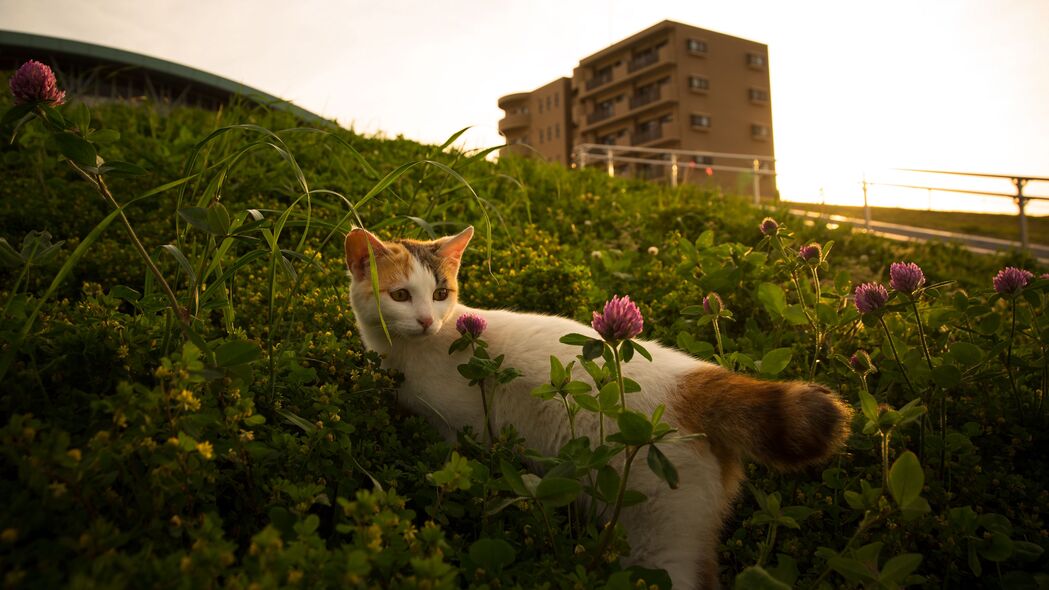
point(786, 425)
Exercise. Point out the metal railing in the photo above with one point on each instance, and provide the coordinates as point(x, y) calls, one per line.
point(1019, 198)
point(643, 98)
point(599, 115)
point(598, 81)
point(642, 61)
point(648, 134)
point(587, 154)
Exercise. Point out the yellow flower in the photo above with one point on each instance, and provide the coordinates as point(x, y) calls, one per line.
point(187, 401)
point(9, 535)
point(206, 450)
point(74, 454)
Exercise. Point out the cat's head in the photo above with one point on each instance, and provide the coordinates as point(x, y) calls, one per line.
point(418, 289)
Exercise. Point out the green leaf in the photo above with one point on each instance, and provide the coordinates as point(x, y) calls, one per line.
point(557, 371)
point(869, 406)
point(183, 263)
point(104, 136)
point(574, 388)
point(773, 298)
point(946, 376)
point(997, 548)
point(557, 491)
point(575, 339)
point(662, 467)
point(117, 167)
point(642, 351)
point(906, 479)
point(608, 483)
point(236, 352)
point(593, 349)
point(776, 360)
point(634, 427)
point(15, 113)
point(587, 402)
point(608, 397)
point(965, 354)
point(853, 570)
point(896, 569)
point(492, 554)
point(513, 478)
point(795, 314)
point(76, 148)
point(756, 578)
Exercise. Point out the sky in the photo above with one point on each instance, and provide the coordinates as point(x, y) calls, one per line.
point(858, 88)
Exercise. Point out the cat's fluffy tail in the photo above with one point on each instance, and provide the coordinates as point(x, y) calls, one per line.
point(783, 424)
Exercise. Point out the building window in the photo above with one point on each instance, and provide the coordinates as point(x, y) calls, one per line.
point(557, 99)
point(540, 136)
point(703, 160)
point(540, 106)
point(700, 121)
point(696, 46)
point(698, 84)
point(759, 131)
point(758, 95)
point(756, 60)
point(557, 130)
point(548, 102)
point(549, 136)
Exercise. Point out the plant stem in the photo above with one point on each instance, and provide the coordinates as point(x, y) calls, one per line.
point(606, 535)
point(619, 375)
point(1009, 363)
point(487, 419)
point(864, 525)
point(896, 355)
point(766, 549)
point(816, 322)
point(717, 338)
point(100, 186)
point(921, 333)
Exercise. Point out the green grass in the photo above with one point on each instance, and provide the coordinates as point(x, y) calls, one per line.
point(270, 449)
point(1005, 227)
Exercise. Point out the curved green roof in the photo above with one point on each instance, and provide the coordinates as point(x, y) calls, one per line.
point(27, 41)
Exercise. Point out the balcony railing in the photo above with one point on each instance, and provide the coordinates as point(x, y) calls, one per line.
point(643, 137)
point(598, 81)
point(643, 60)
point(643, 98)
point(596, 116)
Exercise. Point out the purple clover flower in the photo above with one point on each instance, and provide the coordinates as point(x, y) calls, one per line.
point(870, 297)
point(1044, 275)
point(906, 277)
point(1011, 280)
point(861, 362)
point(472, 324)
point(769, 226)
point(35, 82)
point(810, 253)
point(620, 320)
point(712, 303)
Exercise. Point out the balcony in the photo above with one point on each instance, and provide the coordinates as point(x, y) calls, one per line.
point(642, 61)
point(645, 97)
point(642, 137)
point(514, 121)
point(600, 115)
point(508, 101)
point(598, 81)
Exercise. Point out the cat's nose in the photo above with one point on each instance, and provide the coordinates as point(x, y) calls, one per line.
point(425, 323)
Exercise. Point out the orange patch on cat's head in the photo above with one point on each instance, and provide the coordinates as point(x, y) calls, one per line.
point(392, 260)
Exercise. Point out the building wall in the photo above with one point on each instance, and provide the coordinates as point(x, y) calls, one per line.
point(640, 92)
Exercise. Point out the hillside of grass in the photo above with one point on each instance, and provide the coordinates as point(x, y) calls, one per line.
point(993, 225)
point(233, 431)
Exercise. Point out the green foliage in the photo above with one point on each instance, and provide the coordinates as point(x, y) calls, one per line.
point(261, 446)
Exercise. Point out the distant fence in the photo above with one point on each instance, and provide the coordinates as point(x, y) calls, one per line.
point(1018, 197)
point(675, 161)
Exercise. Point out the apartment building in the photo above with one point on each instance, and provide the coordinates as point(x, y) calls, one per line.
point(670, 86)
point(539, 122)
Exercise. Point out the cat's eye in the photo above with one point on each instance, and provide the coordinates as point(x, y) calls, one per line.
point(400, 295)
point(440, 294)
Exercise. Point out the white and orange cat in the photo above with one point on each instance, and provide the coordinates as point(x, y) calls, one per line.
point(786, 425)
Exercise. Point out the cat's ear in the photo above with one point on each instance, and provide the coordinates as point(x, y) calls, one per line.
point(452, 247)
point(357, 242)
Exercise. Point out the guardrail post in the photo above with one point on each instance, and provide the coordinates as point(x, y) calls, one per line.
point(673, 170)
point(611, 165)
point(757, 183)
point(866, 208)
point(1021, 203)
